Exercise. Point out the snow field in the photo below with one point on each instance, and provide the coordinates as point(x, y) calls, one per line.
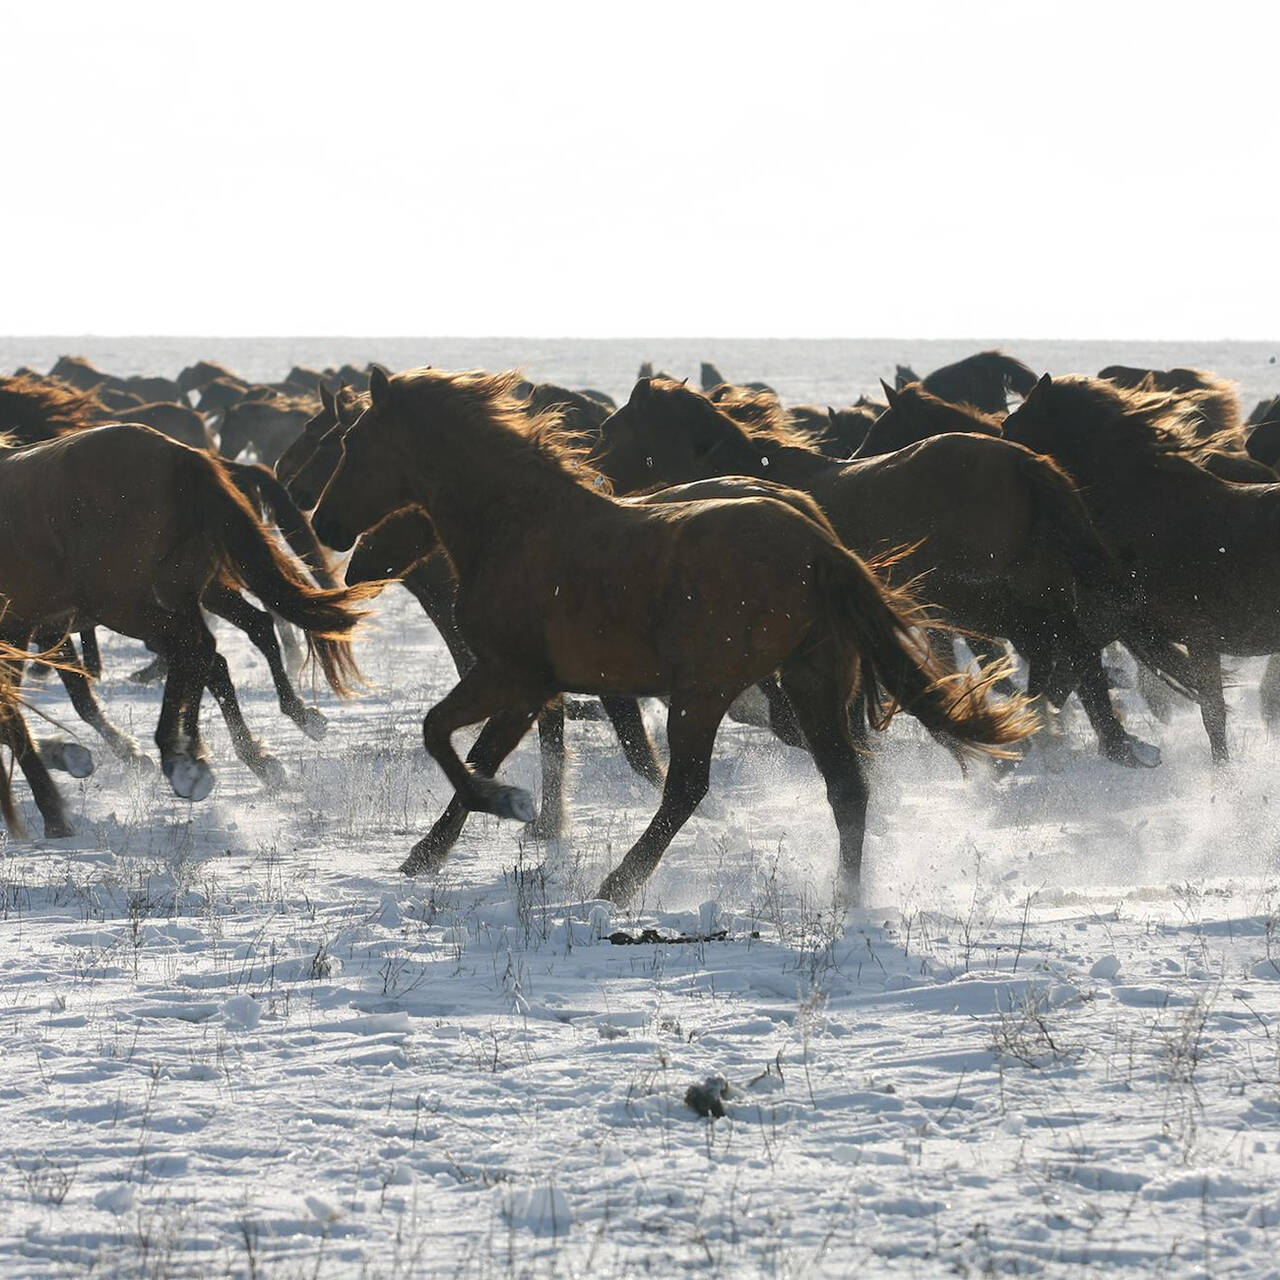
point(233, 1041)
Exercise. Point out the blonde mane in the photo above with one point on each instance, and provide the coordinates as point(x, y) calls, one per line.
point(489, 402)
point(762, 415)
point(1137, 424)
point(34, 409)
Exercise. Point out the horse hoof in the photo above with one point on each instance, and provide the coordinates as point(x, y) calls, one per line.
point(190, 779)
point(77, 760)
point(515, 802)
point(1133, 753)
point(617, 889)
point(313, 724)
point(425, 856)
point(58, 829)
point(502, 800)
point(271, 772)
point(150, 674)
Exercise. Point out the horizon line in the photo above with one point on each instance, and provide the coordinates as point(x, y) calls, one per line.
point(566, 337)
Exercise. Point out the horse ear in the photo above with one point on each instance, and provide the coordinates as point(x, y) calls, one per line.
point(379, 385)
point(642, 390)
point(1041, 387)
point(890, 395)
point(832, 416)
point(327, 402)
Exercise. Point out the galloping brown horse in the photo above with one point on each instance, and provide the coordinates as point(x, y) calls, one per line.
point(1001, 532)
point(33, 410)
point(562, 588)
point(120, 526)
point(1201, 550)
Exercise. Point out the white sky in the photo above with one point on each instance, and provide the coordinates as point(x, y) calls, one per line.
point(921, 169)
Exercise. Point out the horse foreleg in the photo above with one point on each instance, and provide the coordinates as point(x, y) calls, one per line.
point(90, 654)
point(498, 739)
point(691, 732)
point(628, 723)
point(782, 715)
point(247, 747)
point(551, 751)
point(1213, 706)
point(478, 696)
point(1269, 694)
point(155, 671)
point(1114, 742)
point(257, 625)
point(434, 587)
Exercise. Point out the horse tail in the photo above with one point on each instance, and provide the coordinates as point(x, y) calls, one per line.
point(252, 559)
point(881, 629)
point(1110, 601)
point(254, 478)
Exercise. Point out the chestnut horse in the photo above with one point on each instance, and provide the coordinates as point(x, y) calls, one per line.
point(123, 527)
point(561, 588)
point(1002, 533)
point(33, 410)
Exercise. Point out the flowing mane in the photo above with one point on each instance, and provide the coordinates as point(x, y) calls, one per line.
point(33, 409)
point(916, 401)
point(762, 415)
point(1214, 400)
point(489, 402)
point(1143, 426)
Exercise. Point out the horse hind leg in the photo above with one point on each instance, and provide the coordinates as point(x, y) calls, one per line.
point(256, 624)
point(250, 749)
point(292, 650)
point(628, 723)
point(85, 702)
point(691, 732)
point(820, 697)
point(15, 735)
point(188, 648)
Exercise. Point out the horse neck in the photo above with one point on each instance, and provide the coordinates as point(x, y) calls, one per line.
point(483, 497)
point(791, 464)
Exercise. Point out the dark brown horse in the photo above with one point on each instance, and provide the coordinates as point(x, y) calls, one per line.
point(562, 588)
point(914, 414)
point(269, 426)
point(1002, 534)
point(1201, 550)
point(122, 527)
point(983, 380)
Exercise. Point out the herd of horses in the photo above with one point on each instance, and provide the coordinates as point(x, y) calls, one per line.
point(690, 545)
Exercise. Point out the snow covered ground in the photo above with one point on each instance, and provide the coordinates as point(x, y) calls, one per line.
point(234, 1041)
